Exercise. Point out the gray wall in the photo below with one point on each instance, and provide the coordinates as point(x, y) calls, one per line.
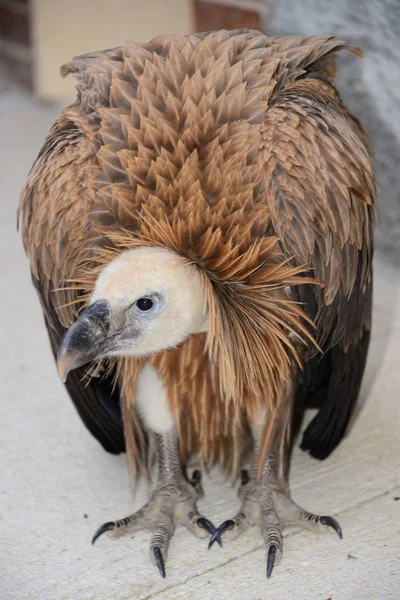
point(370, 87)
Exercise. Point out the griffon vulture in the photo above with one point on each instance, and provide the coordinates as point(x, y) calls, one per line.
point(199, 229)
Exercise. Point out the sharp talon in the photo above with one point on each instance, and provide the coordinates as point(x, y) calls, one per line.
point(206, 524)
point(331, 522)
point(159, 560)
point(271, 559)
point(196, 477)
point(229, 524)
point(244, 476)
point(109, 526)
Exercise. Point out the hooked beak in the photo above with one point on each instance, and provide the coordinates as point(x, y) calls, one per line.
point(86, 339)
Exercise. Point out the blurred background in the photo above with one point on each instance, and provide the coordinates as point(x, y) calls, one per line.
point(37, 36)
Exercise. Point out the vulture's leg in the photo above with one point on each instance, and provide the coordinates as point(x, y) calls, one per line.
point(174, 499)
point(266, 502)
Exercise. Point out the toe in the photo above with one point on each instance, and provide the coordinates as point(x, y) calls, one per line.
point(290, 512)
point(194, 521)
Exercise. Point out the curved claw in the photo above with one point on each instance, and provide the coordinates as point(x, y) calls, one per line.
point(271, 559)
point(159, 560)
point(109, 526)
point(244, 477)
point(196, 477)
point(331, 522)
point(229, 524)
point(206, 524)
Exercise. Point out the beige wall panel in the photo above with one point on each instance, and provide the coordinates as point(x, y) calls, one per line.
point(63, 29)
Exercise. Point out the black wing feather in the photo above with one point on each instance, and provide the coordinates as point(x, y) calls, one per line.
point(340, 374)
point(331, 382)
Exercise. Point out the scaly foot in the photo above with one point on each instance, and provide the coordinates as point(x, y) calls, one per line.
point(173, 501)
point(271, 509)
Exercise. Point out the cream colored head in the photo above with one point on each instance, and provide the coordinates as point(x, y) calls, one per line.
point(145, 301)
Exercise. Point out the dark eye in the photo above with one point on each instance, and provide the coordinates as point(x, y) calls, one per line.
point(144, 304)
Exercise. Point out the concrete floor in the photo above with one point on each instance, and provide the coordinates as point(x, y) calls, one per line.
point(57, 485)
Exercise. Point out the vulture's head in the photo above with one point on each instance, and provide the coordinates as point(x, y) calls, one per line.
point(145, 301)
